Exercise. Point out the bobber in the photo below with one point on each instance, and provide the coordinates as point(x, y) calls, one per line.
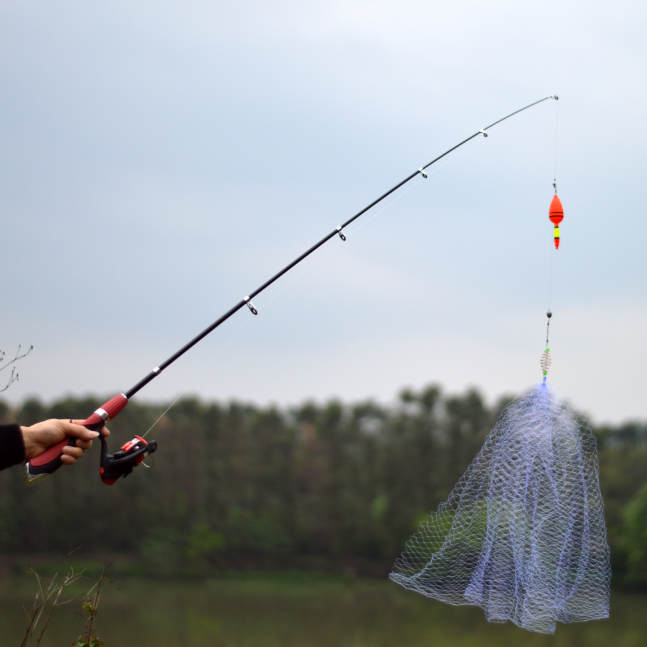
point(556, 215)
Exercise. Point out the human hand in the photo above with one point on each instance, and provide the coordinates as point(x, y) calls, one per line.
point(41, 436)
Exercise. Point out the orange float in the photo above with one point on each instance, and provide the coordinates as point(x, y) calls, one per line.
point(556, 215)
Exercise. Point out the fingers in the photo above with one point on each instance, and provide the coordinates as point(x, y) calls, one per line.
point(78, 431)
point(104, 430)
point(70, 455)
point(84, 438)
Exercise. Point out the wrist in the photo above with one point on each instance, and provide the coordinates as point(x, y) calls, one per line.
point(29, 442)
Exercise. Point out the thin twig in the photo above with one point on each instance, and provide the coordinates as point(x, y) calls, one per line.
point(52, 595)
point(51, 610)
point(16, 358)
point(14, 377)
point(97, 597)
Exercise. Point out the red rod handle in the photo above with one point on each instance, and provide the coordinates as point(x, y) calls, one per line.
point(50, 460)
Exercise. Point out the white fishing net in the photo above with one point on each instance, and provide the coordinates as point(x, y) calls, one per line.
point(522, 534)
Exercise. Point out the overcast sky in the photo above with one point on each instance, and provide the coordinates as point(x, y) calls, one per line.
point(160, 160)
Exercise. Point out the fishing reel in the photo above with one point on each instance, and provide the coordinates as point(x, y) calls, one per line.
point(122, 463)
point(112, 466)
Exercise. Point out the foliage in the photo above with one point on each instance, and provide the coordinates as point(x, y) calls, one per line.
point(49, 596)
point(635, 537)
point(328, 486)
point(92, 641)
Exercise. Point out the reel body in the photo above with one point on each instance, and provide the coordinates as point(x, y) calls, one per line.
point(122, 462)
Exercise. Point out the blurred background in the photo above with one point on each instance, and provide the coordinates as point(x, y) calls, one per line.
point(158, 161)
point(281, 513)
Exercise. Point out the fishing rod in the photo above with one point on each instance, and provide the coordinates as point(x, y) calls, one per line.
point(122, 463)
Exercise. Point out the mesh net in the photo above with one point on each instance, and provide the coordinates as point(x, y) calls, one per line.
point(522, 534)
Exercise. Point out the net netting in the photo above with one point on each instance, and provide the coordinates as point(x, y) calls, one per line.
point(522, 533)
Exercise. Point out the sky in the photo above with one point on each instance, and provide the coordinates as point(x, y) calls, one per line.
point(160, 160)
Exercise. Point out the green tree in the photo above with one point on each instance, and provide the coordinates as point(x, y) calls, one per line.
point(635, 539)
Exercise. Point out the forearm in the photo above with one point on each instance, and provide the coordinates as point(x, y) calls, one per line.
point(12, 446)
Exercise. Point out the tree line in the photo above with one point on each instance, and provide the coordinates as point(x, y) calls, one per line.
point(333, 486)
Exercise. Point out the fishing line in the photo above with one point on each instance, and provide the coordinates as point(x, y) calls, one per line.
point(550, 277)
point(556, 131)
point(550, 267)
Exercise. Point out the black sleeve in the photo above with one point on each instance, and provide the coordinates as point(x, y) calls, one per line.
point(12, 447)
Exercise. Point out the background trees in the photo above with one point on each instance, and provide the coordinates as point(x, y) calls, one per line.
point(330, 486)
